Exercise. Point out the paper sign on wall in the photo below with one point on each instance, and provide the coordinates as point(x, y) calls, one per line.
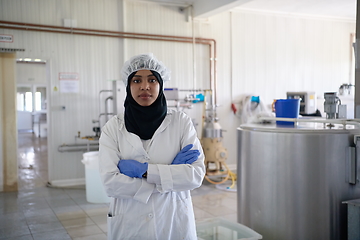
point(69, 82)
point(6, 38)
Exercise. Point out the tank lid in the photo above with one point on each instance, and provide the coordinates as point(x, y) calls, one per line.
point(300, 127)
point(354, 202)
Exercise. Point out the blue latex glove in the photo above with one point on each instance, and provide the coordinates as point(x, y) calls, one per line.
point(186, 156)
point(132, 168)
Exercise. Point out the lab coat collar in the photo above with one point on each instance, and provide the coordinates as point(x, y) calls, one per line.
point(135, 140)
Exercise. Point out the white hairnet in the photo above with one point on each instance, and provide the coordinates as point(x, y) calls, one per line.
point(145, 61)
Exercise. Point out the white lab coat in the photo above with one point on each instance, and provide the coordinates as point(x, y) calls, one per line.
point(160, 206)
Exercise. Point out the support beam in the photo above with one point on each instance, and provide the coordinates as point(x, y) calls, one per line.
point(8, 137)
point(207, 8)
point(357, 62)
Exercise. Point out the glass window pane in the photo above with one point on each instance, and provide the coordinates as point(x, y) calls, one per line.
point(40, 98)
point(20, 97)
point(37, 101)
point(24, 99)
point(28, 101)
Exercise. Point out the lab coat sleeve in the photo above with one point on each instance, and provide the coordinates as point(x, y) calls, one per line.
point(118, 185)
point(180, 177)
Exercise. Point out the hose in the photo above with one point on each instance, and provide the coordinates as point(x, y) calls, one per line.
point(229, 174)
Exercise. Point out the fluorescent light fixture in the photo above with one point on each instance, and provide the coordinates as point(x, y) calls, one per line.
point(30, 60)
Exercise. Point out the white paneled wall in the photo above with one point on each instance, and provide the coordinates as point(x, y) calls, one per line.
point(95, 59)
point(31, 73)
point(275, 54)
point(269, 54)
point(168, 20)
point(178, 57)
point(257, 53)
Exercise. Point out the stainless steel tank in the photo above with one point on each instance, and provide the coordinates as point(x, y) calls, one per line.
point(292, 181)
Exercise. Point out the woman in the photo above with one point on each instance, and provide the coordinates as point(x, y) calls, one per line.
point(150, 159)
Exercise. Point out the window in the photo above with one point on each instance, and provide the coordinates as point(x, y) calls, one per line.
point(24, 99)
point(30, 101)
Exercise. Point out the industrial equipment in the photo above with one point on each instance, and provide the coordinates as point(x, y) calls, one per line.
point(248, 107)
point(171, 94)
point(333, 107)
point(215, 153)
point(211, 141)
point(307, 101)
point(346, 89)
point(353, 218)
point(292, 180)
point(211, 137)
point(92, 143)
point(113, 99)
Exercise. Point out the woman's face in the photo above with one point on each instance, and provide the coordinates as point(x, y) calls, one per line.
point(144, 87)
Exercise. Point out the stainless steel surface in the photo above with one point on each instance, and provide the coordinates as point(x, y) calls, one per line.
point(114, 95)
point(292, 181)
point(330, 104)
point(212, 130)
point(353, 211)
point(79, 147)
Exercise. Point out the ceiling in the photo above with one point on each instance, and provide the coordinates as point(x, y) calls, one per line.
point(345, 9)
point(327, 8)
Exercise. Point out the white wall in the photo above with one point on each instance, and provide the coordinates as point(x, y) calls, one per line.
point(178, 57)
point(31, 73)
point(263, 54)
point(259, 53)
point(268, 54)
point(95, 59)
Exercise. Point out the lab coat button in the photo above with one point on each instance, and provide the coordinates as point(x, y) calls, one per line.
point(150, 215)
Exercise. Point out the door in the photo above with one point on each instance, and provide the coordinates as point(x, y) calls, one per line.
point(24, 103)
point(31, 109)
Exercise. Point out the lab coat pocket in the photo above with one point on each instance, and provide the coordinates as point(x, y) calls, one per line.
point(109, 235)
point(184, 219)
point(113, 223)
point(182, 203)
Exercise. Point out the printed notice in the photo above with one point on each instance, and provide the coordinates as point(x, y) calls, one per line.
point(68, 76)
point(6, 38)
point(69, 82)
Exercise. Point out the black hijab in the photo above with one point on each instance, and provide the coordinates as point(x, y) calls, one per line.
point(144, 120)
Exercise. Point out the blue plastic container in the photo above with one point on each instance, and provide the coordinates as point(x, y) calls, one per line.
point(287, 108)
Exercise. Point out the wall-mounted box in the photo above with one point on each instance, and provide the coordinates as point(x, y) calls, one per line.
point(307, 101)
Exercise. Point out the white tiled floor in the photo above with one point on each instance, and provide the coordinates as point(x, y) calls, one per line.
point(40, 212)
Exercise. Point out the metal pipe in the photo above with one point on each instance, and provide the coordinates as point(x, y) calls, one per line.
point(102, 91)
point(314, 120)
point(114, 97)
point(193, 90)
point(357, 62)
point(193, 46)
point(106, 107)
point(117, 34)
point(78, 147)
point(104, 114)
